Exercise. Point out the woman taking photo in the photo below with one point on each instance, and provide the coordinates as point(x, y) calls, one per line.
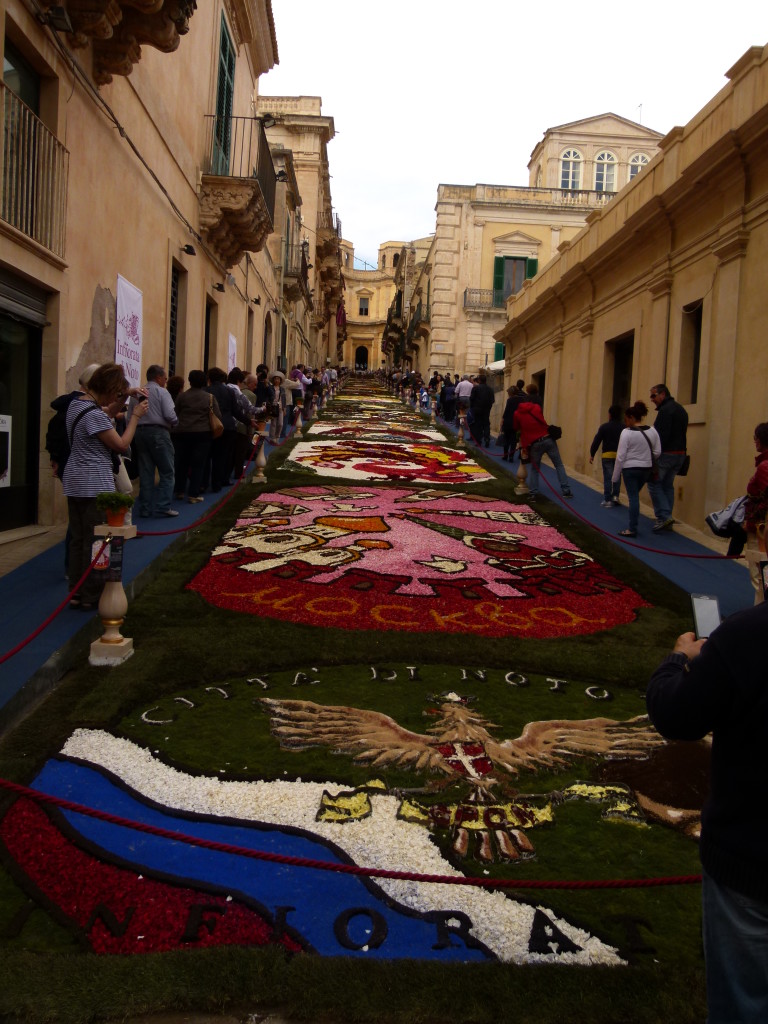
point(89, 471)
point(638, 447)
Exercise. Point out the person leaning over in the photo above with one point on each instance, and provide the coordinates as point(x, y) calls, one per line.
point(720, 686)
point(608, 435)
point(534, 437)
point(671, 425)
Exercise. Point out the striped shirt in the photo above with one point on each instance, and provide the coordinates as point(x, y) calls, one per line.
point(89, 467)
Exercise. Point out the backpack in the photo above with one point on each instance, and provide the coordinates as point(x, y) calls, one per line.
point(56, 437)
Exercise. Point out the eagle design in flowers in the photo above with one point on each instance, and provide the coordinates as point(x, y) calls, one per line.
point(460, 747)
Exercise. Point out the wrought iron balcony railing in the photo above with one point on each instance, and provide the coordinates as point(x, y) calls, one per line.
point(484, 298)
point(237, 147)
point(33, 175)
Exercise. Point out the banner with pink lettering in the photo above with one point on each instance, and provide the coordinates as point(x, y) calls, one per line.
point(128, 330)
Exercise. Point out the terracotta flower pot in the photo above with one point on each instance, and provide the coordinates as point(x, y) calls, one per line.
point(116, 516)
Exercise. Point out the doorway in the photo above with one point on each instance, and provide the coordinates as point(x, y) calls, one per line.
point(20, 371)
point(621, 352)
point(361, 358)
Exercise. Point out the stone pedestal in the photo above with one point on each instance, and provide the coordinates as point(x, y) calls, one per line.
point(113, 648)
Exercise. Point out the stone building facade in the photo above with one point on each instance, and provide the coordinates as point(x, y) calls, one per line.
point(152, 166)
point(666, 283)
point(490, 239)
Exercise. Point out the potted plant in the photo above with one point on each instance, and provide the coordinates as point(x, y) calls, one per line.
point(114, 504)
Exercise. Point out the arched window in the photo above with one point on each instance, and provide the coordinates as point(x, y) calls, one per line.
point(539, 178)
point(636, 164)
point(605, 172)
point(570, 169)
point(395, 259)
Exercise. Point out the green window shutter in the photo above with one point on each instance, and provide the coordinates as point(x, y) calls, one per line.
point(499, 351)
point(498, 280)
point(224, 99)
point(531, 267)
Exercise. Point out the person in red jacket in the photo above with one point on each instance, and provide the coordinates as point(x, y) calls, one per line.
point(755, 513)
point(534, 437)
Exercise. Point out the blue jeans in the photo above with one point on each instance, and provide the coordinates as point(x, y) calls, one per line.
point(610, 490)
point(662, 491)
point(736, 952)
point(154, 449)
point(634, 479)
point(546, 446)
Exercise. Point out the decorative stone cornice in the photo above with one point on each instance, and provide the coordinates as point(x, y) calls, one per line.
point(117, 29)
point(234, 216)
point(731, 245)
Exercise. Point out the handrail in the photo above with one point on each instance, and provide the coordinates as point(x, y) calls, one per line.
point(33, 175)
point(237, 147)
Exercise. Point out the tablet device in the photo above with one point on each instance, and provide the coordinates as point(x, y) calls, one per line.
point(706, 614)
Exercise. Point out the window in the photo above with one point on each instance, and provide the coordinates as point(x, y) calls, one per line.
point(570, 169)
point(383, 260)
point(605, 172)
point(509, 273)
point(395, 259)
point(636, 164)
point(690, 352)
point(224, 97)
point(21, 78)
point(363, 307)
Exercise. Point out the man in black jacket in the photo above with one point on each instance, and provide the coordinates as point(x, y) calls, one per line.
point(720, 685)
point(671, 425)
point(481, 400)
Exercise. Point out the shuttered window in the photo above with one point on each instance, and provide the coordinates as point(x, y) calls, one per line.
point(224, 98)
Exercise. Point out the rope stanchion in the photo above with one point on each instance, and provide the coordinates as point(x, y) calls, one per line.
point(57, 610)
point(345, 869)
point(141, 533)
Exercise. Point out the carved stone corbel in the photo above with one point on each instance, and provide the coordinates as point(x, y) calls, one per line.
point(234, 217)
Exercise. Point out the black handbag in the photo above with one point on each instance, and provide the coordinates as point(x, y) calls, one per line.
point(554, 432)
point(683, 471)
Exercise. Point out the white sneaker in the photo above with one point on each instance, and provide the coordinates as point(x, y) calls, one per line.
point(606, 504)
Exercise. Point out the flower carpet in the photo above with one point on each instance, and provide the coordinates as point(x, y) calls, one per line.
point(379, 677)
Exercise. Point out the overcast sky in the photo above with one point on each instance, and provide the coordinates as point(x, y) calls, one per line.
point(424, 92)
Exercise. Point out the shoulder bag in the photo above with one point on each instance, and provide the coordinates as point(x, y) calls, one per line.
point(217, 427)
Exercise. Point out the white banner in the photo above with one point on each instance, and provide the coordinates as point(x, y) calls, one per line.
point(232, 354)
point(128, 331)
point(5, 450)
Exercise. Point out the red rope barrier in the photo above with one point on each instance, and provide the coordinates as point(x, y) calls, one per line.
point(59, 608)
point(346, 869)
point(141, 533)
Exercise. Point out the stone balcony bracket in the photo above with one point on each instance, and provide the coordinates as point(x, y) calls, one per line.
point(116, 30)
point(234, 216)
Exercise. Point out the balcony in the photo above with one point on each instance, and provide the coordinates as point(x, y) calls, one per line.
point(237, 189)
point(33, 176)
point(484, 299)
